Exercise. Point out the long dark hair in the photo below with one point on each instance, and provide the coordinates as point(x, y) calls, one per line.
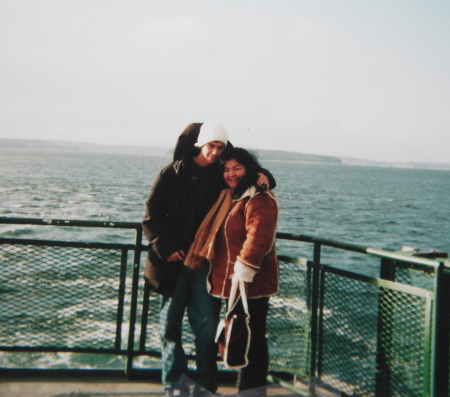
point(252, 168)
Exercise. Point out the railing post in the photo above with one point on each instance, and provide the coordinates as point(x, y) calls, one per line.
point(384, 332)
point(314, 297)
point(314, 307)
point(121, 298)
point(144, 320)
point(387, 269)
point(133, 307)
point(321, 303)
point(317, 249)
point(441, 333)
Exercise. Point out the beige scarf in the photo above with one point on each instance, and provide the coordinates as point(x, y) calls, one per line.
point(203, 245)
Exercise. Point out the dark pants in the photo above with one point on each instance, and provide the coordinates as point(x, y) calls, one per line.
point(255, 373)
point(203, 313)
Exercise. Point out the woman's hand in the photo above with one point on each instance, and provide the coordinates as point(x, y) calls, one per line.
point(262, 180)
point(243, 273)
point(177, 256)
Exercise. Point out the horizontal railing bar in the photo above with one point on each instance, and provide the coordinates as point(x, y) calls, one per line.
point(415, 266)
point(72, 244)
point(295, 261)
point(330, 243)
point(295, 237)
point(280, 235)
point(118, 352)
point(135, 225)
point(92, 374)
point(69, 222)
point(41, 349)
point(403, 257)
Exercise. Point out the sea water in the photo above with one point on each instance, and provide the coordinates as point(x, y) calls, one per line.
point(368, 206)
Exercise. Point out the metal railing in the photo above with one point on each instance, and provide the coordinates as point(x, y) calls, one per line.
point(354, 334)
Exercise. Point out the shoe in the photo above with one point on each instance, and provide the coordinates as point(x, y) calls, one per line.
point(256, 392)
point(176, 392)
point(202, 392)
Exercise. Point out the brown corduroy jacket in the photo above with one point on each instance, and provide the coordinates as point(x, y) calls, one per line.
point(247, 235)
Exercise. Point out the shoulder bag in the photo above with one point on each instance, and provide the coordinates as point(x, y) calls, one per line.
point(233, 333)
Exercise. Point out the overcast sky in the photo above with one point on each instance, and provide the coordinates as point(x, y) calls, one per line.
point(364, 78)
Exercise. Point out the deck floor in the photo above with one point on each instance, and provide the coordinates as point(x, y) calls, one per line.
point(52, 386)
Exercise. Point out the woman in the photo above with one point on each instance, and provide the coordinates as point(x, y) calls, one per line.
point(238, 237)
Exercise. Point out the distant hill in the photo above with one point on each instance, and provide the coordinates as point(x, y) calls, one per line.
point(37, 144)
point(294, 156)
point(263, 155)
point(397, 164)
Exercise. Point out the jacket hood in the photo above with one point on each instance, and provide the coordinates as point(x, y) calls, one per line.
point(185, 144)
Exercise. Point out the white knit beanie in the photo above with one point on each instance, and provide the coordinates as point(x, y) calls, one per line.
point(211, 132)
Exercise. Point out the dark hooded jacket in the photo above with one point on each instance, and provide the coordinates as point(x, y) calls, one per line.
point(181, 196)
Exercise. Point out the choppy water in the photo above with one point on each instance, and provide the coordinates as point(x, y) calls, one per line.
point(369, 206)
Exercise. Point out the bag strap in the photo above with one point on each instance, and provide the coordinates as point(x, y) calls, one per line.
point(235, 283)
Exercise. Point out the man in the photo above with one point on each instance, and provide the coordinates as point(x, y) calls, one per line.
point(181, 196)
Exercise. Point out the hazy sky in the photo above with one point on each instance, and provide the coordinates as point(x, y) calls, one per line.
point(364, 78)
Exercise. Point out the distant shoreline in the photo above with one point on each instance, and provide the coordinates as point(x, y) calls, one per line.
point(263, 155)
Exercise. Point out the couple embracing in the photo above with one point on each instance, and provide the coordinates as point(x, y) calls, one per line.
point(212, 216)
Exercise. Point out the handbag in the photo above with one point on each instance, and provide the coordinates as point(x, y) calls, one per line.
point(161, 276)
point(233, 333)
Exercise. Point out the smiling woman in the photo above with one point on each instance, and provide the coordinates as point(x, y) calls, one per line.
point(238, 237)
point(240, 171)
point(233, 173)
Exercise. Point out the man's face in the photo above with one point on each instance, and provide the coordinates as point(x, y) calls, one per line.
point(212, 151)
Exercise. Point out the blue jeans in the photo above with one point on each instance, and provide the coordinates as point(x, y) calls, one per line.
point(203, 314)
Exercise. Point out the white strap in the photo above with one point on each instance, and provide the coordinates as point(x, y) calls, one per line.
point(235, 282)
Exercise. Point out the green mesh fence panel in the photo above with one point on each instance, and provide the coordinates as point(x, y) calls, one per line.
point(349, 335)
point(403, 341)
point(350, 343)
point(287, 323)
point(372, 334)
point(58, 297)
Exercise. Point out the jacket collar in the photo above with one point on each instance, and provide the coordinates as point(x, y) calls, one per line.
point(250, 192)
point(177, 165)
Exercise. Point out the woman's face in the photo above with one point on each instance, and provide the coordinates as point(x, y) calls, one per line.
point(233, 173)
